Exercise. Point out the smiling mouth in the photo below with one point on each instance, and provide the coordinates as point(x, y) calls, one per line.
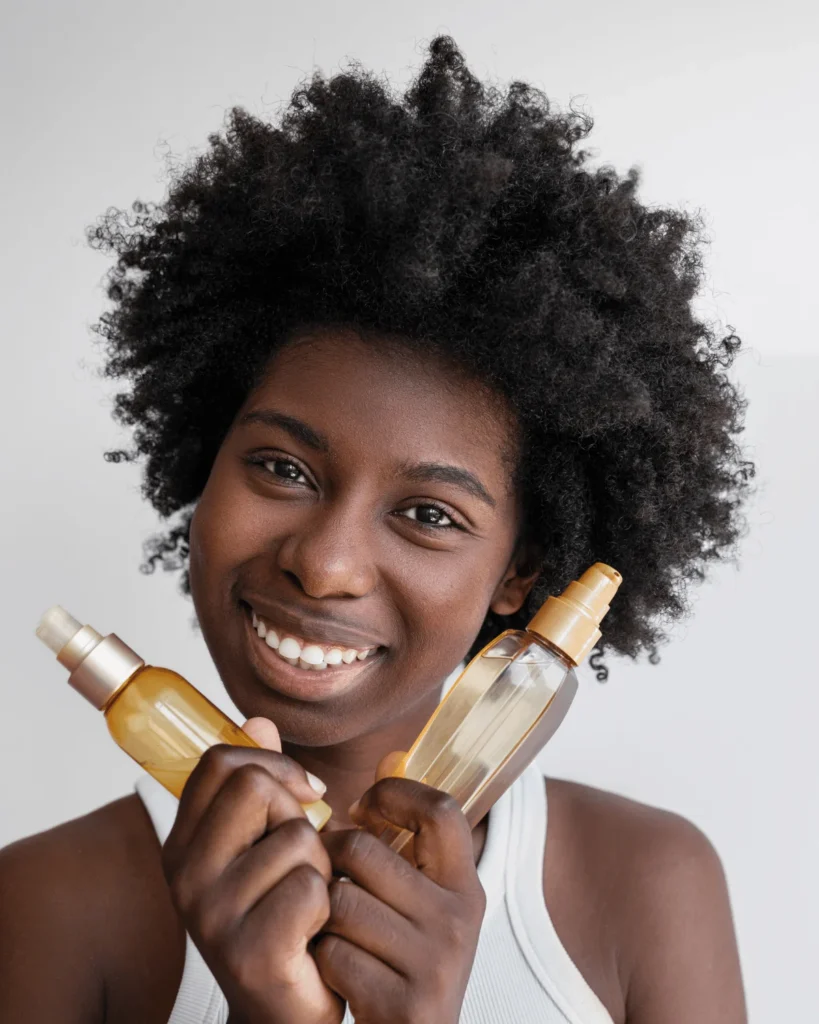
point(304, 653)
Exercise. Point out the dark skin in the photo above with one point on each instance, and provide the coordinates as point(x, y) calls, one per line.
point(332, 537)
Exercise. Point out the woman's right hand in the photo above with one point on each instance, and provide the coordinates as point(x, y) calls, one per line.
point(248, 876)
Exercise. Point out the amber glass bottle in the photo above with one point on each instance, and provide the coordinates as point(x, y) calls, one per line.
point(153, 714)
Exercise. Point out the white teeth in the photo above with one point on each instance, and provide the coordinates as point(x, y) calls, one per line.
point(313, 655)
point(290, 648)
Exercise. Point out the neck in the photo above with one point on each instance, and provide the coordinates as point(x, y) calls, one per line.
point(349, 768)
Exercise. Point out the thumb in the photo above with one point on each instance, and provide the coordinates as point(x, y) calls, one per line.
point(264, 732)
point(391, 764)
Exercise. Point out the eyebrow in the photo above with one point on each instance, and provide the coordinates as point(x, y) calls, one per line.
point(420, 472)
point(296, 428)
point(445, 474)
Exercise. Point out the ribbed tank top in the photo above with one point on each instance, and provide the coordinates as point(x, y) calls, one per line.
point(521, 973)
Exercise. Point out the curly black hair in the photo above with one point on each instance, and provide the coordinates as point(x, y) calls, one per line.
point(466, 218)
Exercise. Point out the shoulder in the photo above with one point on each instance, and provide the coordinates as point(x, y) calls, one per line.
point(78, 900)
point(656, 890)
point(635, 840)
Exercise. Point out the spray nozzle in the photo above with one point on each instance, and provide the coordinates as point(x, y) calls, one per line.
point(57, 628)
point(570, 621)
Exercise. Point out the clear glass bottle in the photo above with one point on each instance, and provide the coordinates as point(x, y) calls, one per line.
point(508, 701)
point(153, 714)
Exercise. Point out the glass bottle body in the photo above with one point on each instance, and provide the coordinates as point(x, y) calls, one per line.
point(165, 725)
point(492, 723)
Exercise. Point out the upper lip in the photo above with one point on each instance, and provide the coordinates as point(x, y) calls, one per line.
point(308, 626)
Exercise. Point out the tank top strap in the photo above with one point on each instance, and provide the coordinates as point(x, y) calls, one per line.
point(526, 905)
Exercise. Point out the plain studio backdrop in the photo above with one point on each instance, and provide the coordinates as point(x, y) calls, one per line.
point(716, 102)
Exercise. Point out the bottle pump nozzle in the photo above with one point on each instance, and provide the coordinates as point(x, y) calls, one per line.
point(99, 665)
point(570, 622)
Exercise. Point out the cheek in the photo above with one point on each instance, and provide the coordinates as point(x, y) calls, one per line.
point(222, 528)
point(449, 600)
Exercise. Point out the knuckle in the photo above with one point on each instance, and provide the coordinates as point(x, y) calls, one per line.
point(357, 848)
point(443, 808)
point(309, 884)
point(214, 758)
point(252, 781)
point(455, 932)
point(184, 893)
point(300, 833)
point(303, 840)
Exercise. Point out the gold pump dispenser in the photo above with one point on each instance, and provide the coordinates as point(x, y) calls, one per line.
point(570, 622)
point(153, 714)
point(508, 701)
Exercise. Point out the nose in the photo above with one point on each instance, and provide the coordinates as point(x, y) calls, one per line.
point(328, 555)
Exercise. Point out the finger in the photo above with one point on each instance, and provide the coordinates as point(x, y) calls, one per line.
point(390, 764)
point(269, 948)
point(215, 767)
point(371, 924)
point(442, 846)
point(252, 875)
point(350, 970)
point(371, 864)
point(250, 804)
point(264, 732)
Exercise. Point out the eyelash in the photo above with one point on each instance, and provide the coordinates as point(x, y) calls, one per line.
point(263, 461)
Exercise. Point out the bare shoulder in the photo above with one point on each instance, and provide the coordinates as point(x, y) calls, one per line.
point(79, 902)
point(641, 895)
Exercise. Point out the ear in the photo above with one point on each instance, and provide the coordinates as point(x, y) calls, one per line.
point(517, 582)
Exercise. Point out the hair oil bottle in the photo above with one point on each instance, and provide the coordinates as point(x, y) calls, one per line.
point(508, 701)
point(153, 714)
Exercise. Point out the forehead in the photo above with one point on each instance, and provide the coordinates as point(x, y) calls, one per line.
point(390, 401)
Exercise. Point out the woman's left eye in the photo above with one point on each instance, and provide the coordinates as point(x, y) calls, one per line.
point(283, 469)
point(429, 515)
point(287, 470)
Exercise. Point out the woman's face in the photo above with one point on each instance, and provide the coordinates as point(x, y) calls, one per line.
point(361, 502)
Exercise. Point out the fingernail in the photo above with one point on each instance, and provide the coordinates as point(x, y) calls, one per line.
point(316, 783)
point(353, 809)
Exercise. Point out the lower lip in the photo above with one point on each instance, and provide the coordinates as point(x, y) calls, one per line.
point(302, 683)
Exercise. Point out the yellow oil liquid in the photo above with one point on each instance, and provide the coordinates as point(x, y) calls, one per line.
point(491, 724)
point(165, 725)
point(172, 774)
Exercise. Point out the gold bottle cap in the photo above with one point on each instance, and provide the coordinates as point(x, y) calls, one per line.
point(570, 622)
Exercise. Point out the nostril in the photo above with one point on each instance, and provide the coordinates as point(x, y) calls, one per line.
point(294, 580)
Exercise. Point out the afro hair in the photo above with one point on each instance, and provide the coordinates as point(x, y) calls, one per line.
point(465, 218)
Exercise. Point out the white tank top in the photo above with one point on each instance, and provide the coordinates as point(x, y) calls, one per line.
point(521, 974)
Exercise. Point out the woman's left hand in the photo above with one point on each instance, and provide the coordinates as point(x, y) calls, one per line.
point(400, 940)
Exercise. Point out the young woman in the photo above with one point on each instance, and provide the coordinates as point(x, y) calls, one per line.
point(403, 367)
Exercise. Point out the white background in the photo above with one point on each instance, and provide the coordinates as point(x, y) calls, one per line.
point(717, 104)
